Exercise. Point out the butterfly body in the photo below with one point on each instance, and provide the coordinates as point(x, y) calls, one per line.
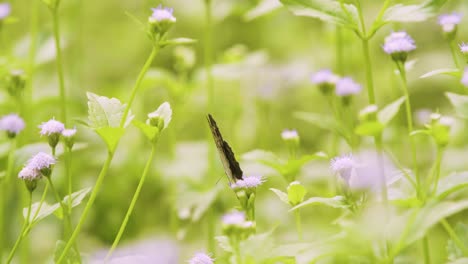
point(231, 166)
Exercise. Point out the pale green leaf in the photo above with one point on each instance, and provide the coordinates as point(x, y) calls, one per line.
point(296, 193)
point(264, 7)
point(388, 112)
point(460, 103)
point(452, 183)
point(111, 136)
point(335, 202)
point(447, 71)
point(454, 251)
point(177, 41)
point(281, 195)
point(38, 213)
point(150, 131)
point(105, 112)
point(72, 256)
point(223, 242)
point(413, 13)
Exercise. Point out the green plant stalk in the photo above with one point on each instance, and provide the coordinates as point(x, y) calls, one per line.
point(88, 206)
point(339, 47)
point(58, 50)
point(6, 187)
point(297, 215)
point(427, 255)
point(453, 235)
point(137, 85)
point(208, 65)
point(66, 216)
point(133, 202)
point(438, 161)
point(409, 117)
point(22, 234)
point(68, 164)
point(453, 50)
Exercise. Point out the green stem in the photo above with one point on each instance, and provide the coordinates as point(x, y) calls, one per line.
point(136, 87)
point(22, 234)
point(67, 221)
point(455, 237)
point(68, 164)
point(427, 255)
point(89, 204)
point(297, 215)
point(409, 119)
point(132, 203)
point(339, 50)
point(438, 161)
point(58, 51)
point(454, 51)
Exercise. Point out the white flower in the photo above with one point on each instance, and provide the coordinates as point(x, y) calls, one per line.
point(51, 127)
point(12, 124)
point(41, 161)
point(30, 174)
point(162, 114)
point(201, 258)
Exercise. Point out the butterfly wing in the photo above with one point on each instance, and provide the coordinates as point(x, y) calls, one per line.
point(231, 166)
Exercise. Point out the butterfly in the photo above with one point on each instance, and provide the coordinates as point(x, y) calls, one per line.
point(231, 166)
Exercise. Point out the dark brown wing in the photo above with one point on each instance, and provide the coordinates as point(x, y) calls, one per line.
point(231, 166)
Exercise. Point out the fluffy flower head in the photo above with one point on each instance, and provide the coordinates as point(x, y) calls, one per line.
point(324, 77)
point(30, 174)
point(201, 258)
point(289, 134)
point(5, 10)
point(248, 182)
point(236, 218)
point(343, 166)
point(51, 127)
point(347, 86)
point(41, 161)
point(163, 14)
point(464, 48)
point(464, 79)
point(449, 21)
point(69, 132)
point(12, 124)
point(398, 42)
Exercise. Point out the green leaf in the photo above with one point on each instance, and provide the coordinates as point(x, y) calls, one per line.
point(72, 256)
point(452, 183)
point(321, 121)
point(430, 215)
point(460, 103)
point(76, 199)
point(197, 203)
point(264, 7)
point(412, 13)
point(325, 10)
point(335, 202)
point(388, 112)
point(110, 135)
point(420, 132)
point(223, 242)
point(453, 251)
point(296, 193)
point(105, 112)
point(150, 131)
point(281, 195)
point(369, 128)
point(447, 71)
point(44, 211)
point(257, 247)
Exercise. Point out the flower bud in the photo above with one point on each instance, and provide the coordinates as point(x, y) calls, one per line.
point(325, 80)
point(449, 23)
point(161, 117)
point(30, 177)
point(53, 130)
point(69, 137)
point(160, 21)
point(439, 129)
point(398, 45)
point(296, 193)
point(15, 82)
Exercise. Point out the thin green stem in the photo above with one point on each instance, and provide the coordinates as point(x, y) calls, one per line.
point(23, 229)
point(438, 161)
point(136, 87)
point(297, 215)
point(68, 164)
point(368, 69)
point(453, 235)
point(88, 206)
point(58, 51)
point(339, 47)
point(132, 203)
point(454, 51)
point(427, 255)
point(67, 221)
point(409, 119)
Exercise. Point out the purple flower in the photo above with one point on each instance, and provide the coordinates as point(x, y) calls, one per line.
point(234, 218)
point(41, 161)
point(69, 133)
point(449, 21)
point(248, 182)
point(289, 134)
point(464, 79)
point(344, 166)
point(201, 258)
point(30, 174)
point(464, 48)
point(5, 10)
point(347, 86)
point(51, 127)
point(324, 77)
point(398, 44)
point(161, 14)
point(12, 124)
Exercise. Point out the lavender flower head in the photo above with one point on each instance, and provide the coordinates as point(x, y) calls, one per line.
point(325, 79)
point(51, 127)
point(347, 86)
point(5, 10)
point(464, 79)
point(163, 14)
point(69, 132)
point(398, 44)
point(464, 48)
point(449, 21)
point(344, 166)
point(248, 182)
point(289, 134)
point(12, 124)
point(29, 174)
point(201, 258)
point(42, 162)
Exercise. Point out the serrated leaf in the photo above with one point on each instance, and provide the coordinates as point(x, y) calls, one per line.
point(412, 13)
point(453, 250)
point(325, 10)
point(388, 112)
point(281, 195)
point(447, 71)
point(150, 131)
point(430, 215)
point(76, 199)
point(72, 256)
point(257, 247)
point(223, 242)
point(44, 211)
point(105, 112)
point(452, 183)
point(460, 103)
point(264, 7)
point(111, 136)
point(335, 202)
